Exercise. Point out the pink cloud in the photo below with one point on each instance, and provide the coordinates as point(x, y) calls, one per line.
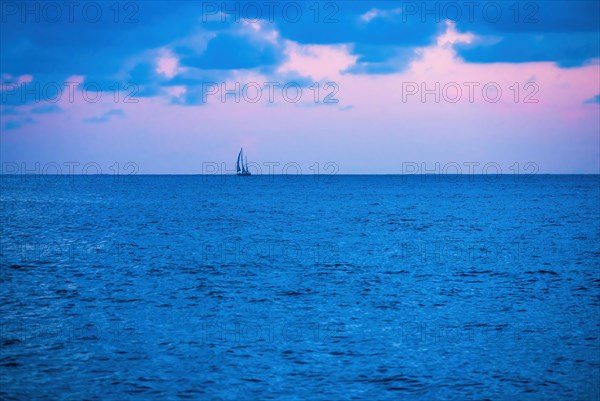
point(317, 61)
point(372, 129)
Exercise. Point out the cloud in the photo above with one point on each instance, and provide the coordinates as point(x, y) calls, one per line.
point(50, 108)
point(377, 13)
point(317, 61)
point(565, 49)
point(99, 50)
point(18, 123)
point(105, 117)
point(593, 100)
point(234, 51)
point(377, 134)
point(563, 32)
point(167, 65)
point(382, 35)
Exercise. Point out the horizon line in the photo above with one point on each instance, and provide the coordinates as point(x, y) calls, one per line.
point(294, 175)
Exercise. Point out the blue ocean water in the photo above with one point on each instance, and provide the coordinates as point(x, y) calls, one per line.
point(280, 287)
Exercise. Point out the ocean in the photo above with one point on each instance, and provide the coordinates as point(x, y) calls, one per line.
point(300, 287)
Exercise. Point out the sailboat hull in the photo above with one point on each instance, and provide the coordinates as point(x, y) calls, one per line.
point(244, 173)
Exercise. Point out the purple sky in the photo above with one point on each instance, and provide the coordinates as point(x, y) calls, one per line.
point(548, 112)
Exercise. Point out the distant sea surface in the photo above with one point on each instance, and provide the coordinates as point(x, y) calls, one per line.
point(324, 288)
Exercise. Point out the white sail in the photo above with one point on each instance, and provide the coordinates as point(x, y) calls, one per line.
point(239, 159)
point(241, 165)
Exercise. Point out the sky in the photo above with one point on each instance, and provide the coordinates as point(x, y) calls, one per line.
point(346, 87)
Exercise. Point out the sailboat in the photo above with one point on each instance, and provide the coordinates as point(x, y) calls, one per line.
point(242, 164)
